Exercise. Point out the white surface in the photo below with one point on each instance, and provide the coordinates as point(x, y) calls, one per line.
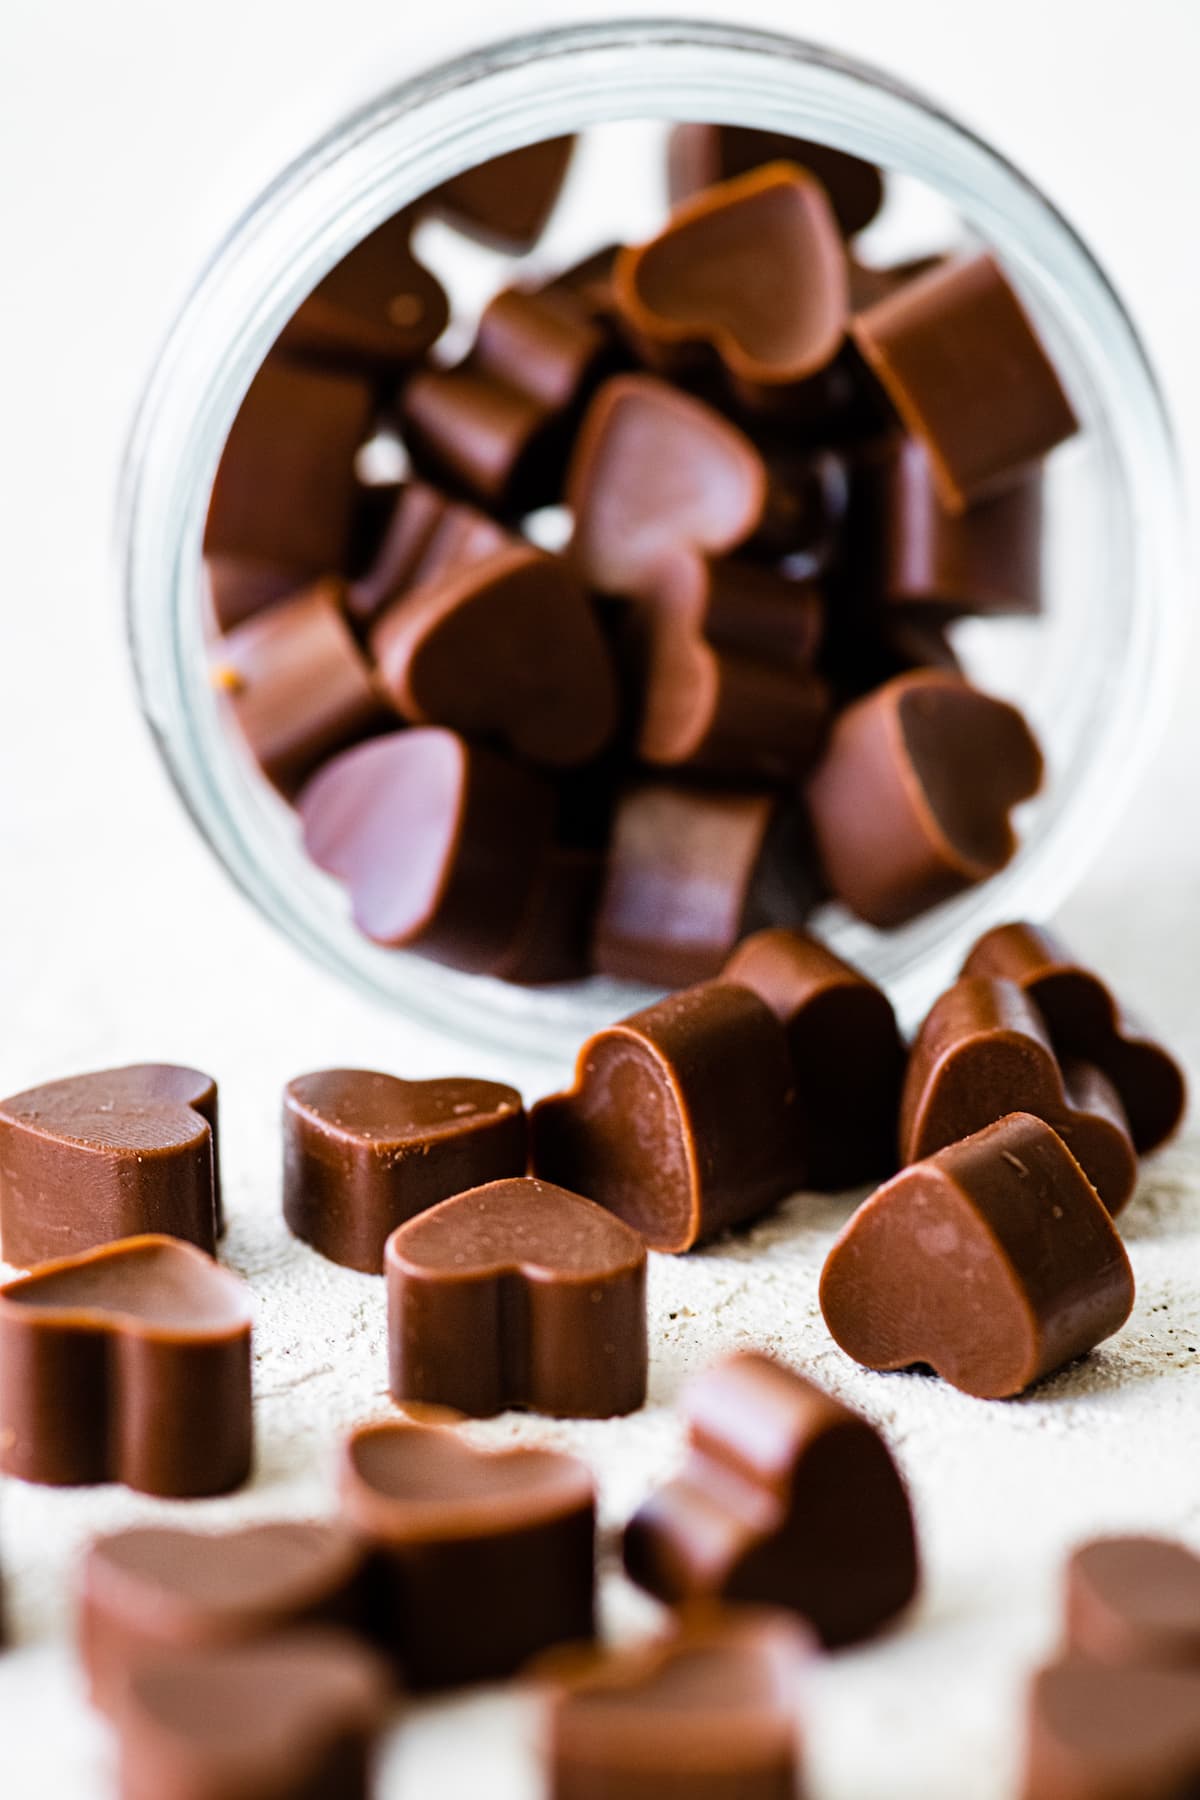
point(128, 134)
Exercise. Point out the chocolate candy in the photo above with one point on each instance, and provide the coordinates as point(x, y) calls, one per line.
point(910, 803)
point(480, 1558)
point(289, 1719)
point(685, 868)
point(297, 684)
point(787, 1498)
point(240, 586)
point(518, 1294)
point(439, 842)
point(711, 1710)
point(506, 201)
point(284, 490)
point(982, 1052)
point(377, 310)
point(1085, 1021)
point(680, 1119)
point(847, 1056)
point(153, 1590)
point(738, 606)
point(698, 156)
point(753, 268)
point(553, 943)
point(362, 1152)
point(1096, 1733)
point(962, 365)
point(1134, 1600)
point(994, 1262)
point(107, 1155)
point(129, 1363)
point(507, 648)
point(427, 536)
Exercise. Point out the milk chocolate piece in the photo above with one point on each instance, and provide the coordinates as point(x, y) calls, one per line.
point(700, 155)
point(982, 1052)
point(376, 311)
point(994, 1262)
point(297, 685)
point(438, 841)
point(362, 1152)
point(506, 201)
point(128, 1363)
point(518, 1293)
point(285, 489)
point(545, 342)
point(754, 269)
point(910, 802)
point(738, 606)
point(427, 537)
point(153, 1590)
point(961, 363)
point(680, 1119)
point(507, 647)
point(107, 1155)
point(787, 1498)
point(1134, 1600)
point(479, 1558)
point(554, 941)
point(710, 1710)
point(682, 883)
point(1097, 1733)
point(291, 1718)
point(1085, 1021)
point(847, 1056)
point(239, 586)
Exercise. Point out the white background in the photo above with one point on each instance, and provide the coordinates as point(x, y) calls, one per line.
point(130, 134)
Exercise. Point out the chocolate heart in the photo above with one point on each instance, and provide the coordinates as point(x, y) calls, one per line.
point(362, 1152)
point(993, 1261)
point(439, 842)
point(680, 1118)
point(427, 537)
point(786, 1498)
point(507, 200)
point(106, 1155)
point(756, 268)
point(711, 1709)
point(155, 1589)
point(129, 1363)
point(518, 1294)
point(983, 1051)
point(289, 1719)
point(507, 647)
point(1085, 1021)
point(698, 156)
point(847, 1056)
point(1097, 1733)
point(738, 605)
point(482, 1558)
point(1134, 1600)
point(376, 310)
point(654, 469)
point(910, 802)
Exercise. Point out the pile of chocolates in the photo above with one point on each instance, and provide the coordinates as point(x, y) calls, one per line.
point(513, 1247)
point(781, 474)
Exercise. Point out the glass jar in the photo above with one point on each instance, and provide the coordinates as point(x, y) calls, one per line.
point(1094, 674)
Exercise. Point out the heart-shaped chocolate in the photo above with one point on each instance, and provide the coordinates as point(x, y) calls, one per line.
point(129, 1363)
point(440, 842)
point(375, 311)
point(994, 1262)
point(1085, 1021)
point(362, 1152)
point(755, 268)
point(654, 469)
point(738, 605)
point(107, 1155)
point(786, 1498)
point(426, 536)
point(1134, 1600)
point(518, 1294)
point(155, 1589)
point(910, 802)
point(507, 200)
point(983, 1051)
point(291, 1718)
point(482, 1558)
point(699, 156)
point(680, 1119)
point(711, 1709)
point(1097, 1733)
point(507, 648)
